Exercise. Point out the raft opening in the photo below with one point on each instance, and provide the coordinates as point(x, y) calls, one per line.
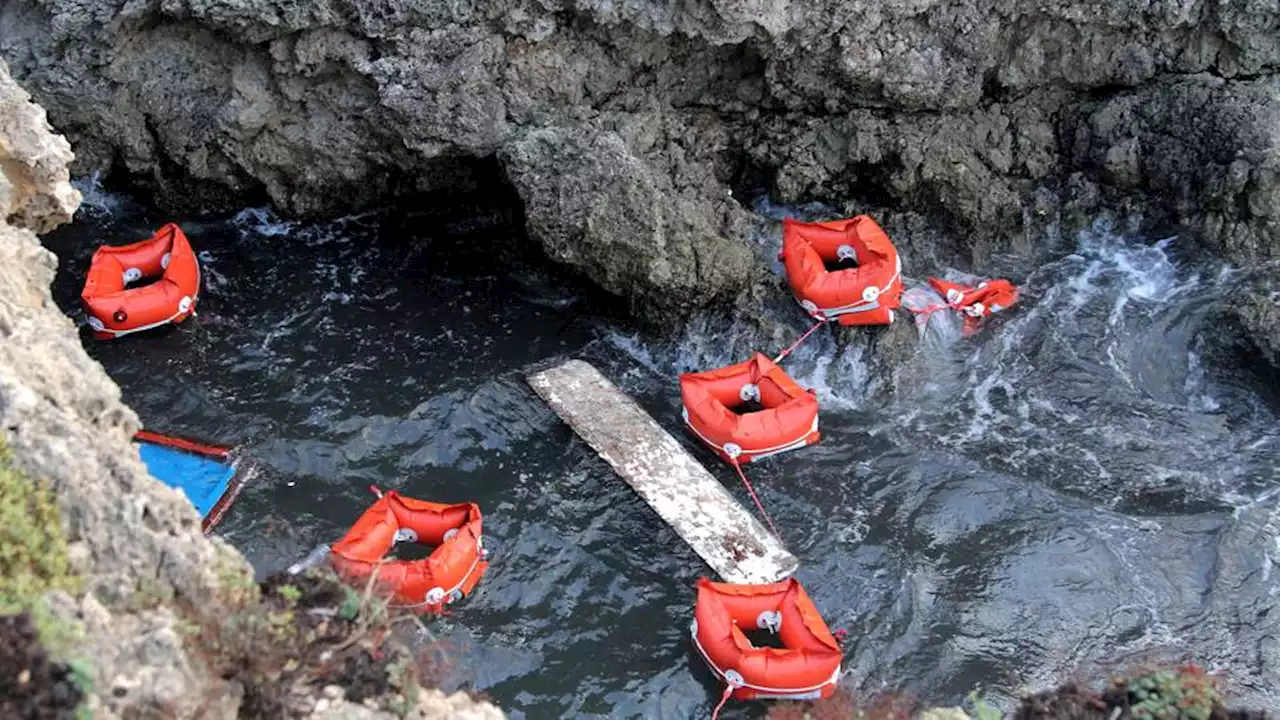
point(143, 278)
point(839, 264)
point(411, 551)
point(142, 282)
point(746, 407)
point(760, 638)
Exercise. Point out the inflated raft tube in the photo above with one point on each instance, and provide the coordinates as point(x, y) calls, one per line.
point(806, 668)
point(865, 293)
point(450, 573)
point(788, 420)
point(115, 309)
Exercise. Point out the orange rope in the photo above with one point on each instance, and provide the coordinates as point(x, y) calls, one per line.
point(728, 690)
point(754, 497)
point(821, 321)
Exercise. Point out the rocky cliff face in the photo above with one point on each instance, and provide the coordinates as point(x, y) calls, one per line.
point(64, 422)
point(624, 125)
point(135, 543)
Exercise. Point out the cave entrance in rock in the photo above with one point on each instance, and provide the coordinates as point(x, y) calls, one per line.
point(471, 224)
point(462, 213)
point(751, 180)
point(460, 231)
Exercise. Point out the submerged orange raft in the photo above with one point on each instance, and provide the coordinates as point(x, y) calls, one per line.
point(789, 420)
point(864, 293)
point(450, 573)
point(807, 668)
point(115, 309)
point(983, 301)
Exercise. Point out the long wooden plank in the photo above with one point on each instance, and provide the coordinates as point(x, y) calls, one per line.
point(688, 497)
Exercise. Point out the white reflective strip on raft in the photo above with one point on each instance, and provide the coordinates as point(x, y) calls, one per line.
point(683, 493)
point(152, 326)
point(803, 693)
point(757, 454)
point(833, 313)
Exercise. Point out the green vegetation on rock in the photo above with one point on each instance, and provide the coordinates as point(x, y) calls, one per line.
point(33, 561)
point(1187, 693)
point(291, 635)
point(33, 545)
point(33, 553)
point(981, 709)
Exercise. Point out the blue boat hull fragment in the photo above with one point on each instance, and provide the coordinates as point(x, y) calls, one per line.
point(206, 474)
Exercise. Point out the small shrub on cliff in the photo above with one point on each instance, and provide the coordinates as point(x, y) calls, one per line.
point(1146, 693)
point(1185, 693)
point(291, 636)
point(33, 553)
point(33, 546)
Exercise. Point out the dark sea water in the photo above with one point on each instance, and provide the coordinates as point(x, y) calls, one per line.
point(1074, 488)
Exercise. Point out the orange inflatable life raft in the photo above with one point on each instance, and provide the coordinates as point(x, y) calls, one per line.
point(976, 303)
point(450, 573)
point(788, 420)
point(806, 668)
point(115, 309)
point(866, 292)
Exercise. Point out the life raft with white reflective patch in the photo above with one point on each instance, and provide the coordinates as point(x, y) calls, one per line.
point(115, 309)
point(447, 575)
point(806, 668)
point(845, 270)
point(712, 409)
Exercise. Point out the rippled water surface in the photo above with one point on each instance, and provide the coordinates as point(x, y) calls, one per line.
point(1073, 486)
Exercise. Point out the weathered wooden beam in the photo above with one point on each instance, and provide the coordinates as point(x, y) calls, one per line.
point(688, 497)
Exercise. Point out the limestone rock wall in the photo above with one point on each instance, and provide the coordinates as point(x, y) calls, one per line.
point(967, 110)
